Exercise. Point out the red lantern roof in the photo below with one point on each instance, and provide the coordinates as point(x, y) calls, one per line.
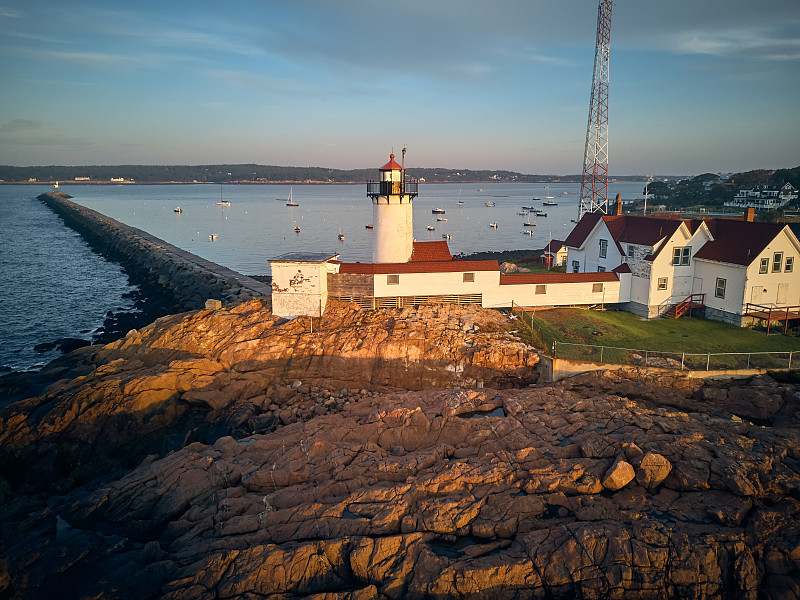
point(391, 165)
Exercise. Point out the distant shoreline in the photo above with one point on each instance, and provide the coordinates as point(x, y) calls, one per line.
point(62, 183)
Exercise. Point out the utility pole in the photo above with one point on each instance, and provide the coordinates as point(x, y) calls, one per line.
point(594, 183)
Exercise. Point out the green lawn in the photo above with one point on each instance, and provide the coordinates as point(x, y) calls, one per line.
point(623, 329)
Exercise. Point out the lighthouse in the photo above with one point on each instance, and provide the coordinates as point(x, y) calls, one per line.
point(392, 197)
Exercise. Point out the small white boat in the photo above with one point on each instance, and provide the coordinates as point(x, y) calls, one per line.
point(438, 211)
point(480, 189)
point(289, 201)
point(548, 192)
point(524, 213)
point(177, 209)
point(212, 237)
point(493, 225)
point(549, 203)
point(369, 226)
point(441, 218)
point(460, 203)
point(341, 235)
point(529, 224)
point(297, 229)
point(528, 232)
point(489, 203)
point(430, 228)
point(446, 236)
point(573, 220)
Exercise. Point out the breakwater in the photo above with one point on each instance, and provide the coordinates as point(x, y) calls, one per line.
point(184, 279)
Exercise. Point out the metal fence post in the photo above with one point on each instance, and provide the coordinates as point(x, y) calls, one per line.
point(708, 362)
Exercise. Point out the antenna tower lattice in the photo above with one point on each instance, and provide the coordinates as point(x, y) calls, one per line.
point(594, 184)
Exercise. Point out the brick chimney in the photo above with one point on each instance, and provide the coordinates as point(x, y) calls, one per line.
point(749, 214)
point(619, 204)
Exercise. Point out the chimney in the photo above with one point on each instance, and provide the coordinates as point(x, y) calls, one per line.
point(749, 214)
point(619, 204)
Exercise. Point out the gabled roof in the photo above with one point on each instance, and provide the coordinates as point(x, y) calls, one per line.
point(430, 251)
point(737, 242)
point(578, 235)
point(441, 266)
point(391, 165)
point(531, 278)
point(554, 246)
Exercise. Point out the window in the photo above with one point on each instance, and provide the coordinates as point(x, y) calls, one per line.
point(789, 264)
point(576, 266)
point(601, 269)
point(541, 289)
point(681, 256)
point(719, 290)
point(597, 287)
point(631, 250)
point(469, 277)
point(777, 261)
point(603, 248)
point(392, 279)
point(662, 283)
point(764, 267)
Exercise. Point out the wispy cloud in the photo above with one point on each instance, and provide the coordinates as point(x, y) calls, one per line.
point(9, 13)
point(20, 125)
point(751, 45)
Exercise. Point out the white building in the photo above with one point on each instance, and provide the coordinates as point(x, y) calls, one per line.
point(763, 197)
point(646, 265)
point(727, 263)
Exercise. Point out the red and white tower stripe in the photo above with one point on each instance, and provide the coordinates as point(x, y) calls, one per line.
point(594, 185)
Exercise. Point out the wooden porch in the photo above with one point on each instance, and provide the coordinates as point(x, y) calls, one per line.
point(769, 314)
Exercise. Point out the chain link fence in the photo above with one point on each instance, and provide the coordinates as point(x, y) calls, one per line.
point(685, 361)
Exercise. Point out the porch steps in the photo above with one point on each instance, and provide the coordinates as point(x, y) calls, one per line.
point(688, 304)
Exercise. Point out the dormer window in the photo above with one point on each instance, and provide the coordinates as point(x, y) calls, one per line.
point(603, 248)
point(681, 256)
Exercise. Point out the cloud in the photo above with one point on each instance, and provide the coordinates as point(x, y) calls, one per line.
point(20, 126)
point(9, 13)
point(744, 44)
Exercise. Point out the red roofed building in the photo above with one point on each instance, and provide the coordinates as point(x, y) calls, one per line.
point(729, 262)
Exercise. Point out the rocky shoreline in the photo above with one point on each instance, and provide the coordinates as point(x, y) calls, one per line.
point(388, 454)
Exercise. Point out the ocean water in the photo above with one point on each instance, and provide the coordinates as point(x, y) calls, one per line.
point(54, 286)
point(256, 226)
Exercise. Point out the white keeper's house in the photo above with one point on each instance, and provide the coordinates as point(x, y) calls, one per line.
point(646, 265)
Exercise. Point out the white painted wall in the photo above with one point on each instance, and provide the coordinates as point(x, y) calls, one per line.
point(436, 284)
point(559, 294)
point(393, 229)
point(299, 288)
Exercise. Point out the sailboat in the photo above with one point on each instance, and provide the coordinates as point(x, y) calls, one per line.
point(341, 235)
point(548, 196)
point(221, 201)
point(289, 201)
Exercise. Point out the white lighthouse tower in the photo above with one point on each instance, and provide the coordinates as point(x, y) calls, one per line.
point(392, 199)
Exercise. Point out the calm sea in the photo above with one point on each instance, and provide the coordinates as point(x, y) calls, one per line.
point(54, 286)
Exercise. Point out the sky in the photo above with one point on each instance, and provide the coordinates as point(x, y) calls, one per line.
point(695, 86)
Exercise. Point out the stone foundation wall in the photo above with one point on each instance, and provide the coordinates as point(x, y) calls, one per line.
point(150, 261)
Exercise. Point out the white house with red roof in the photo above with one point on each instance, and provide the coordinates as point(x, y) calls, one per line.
point(404, 271)
point(725, 263)
point(645, 265)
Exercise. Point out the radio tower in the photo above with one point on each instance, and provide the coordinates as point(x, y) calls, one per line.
point(594, 184)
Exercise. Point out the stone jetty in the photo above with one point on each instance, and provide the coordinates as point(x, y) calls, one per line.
point(185, 277)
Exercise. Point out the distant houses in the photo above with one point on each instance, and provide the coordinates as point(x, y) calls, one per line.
point(764, 197)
